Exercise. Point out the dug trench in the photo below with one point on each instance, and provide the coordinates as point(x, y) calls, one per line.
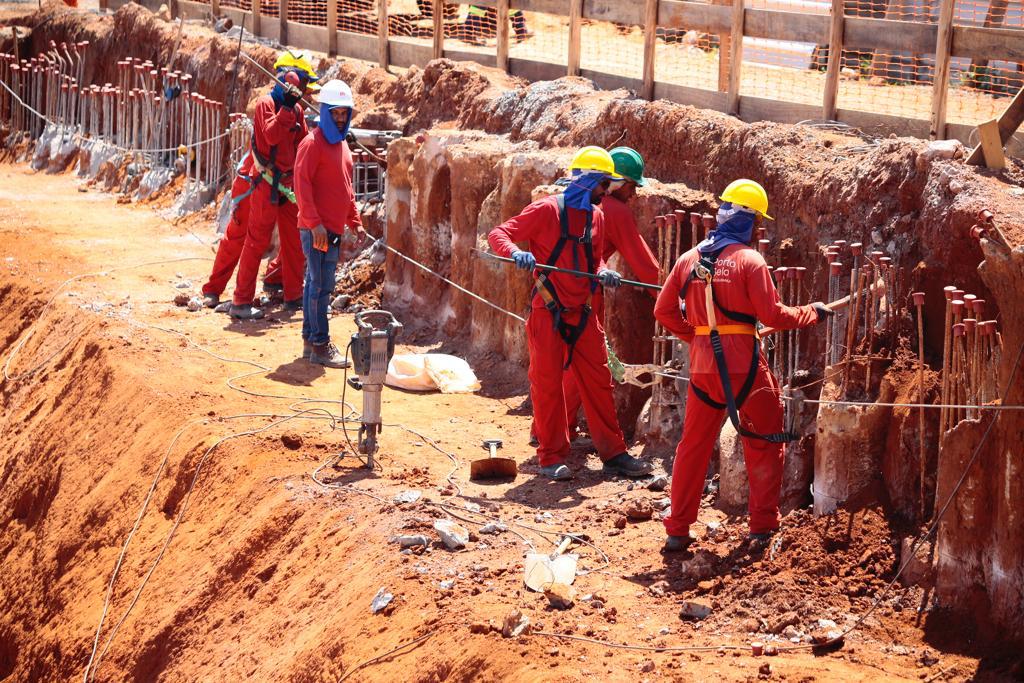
point(270, 575)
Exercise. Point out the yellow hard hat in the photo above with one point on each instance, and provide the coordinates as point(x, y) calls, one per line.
point(749, 194)
point(298, 60)
point(595, 158)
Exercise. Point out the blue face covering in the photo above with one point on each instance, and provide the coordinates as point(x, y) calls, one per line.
point(735, 226)
point(579, 188)
point(277, 92)
point(332, 133)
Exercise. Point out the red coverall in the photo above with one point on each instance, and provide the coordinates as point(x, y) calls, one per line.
point(622, 235)
point(323, 185)
point(283, 128)
point(230, 246)
point(539, 226)
point(742, 284)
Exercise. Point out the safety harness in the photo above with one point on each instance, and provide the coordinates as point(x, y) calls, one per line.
point(704, 271)
point(271, 173)
point(570, 334)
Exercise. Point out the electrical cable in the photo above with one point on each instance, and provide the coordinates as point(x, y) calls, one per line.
point(378, 658)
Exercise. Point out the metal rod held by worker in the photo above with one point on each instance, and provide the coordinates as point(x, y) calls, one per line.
point(567, 271)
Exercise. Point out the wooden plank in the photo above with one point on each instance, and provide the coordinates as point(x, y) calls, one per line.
point(282, 36)
point(724, 50)
point(382, 34)
point(438, 29)
point(556, 7)
point(694, 97)
point(1009, 121)
point(533, 70)
point(501, 52)
point(794, 26)
point(607, 81)
point(332, 27)
point(940, 88)
point(626, 13)
point(650, 42)
point(481, 58)
point(991, 145)
point(835, 60)
point(695, 16)
point(575, 28)
point(735, 56)
point(889, 35)
point(988, 43)
point(759, 109)
point(405, 54)
point(257, 21)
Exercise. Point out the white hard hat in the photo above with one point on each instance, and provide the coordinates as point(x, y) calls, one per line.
point(335, 94)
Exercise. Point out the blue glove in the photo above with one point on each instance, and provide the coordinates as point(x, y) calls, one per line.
point(524, 260)
point(609, 278)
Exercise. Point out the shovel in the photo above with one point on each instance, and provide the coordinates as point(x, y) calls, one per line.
point(543, 570)
point(493, 467)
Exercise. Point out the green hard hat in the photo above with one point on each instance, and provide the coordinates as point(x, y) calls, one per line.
point(629, 164)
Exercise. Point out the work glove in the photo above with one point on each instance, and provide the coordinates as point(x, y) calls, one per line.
point(822, 310)
point(524, 260)
point(609, 278)
point(292, 95)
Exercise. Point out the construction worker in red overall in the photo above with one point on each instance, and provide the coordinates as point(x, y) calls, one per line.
point(728, 373)
point(622, 236)
point(263, 197)
point(567, 231)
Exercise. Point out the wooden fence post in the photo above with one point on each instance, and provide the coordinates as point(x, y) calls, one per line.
point(283, 37)
point(650, 42)
point(940, 88)
point(215, 8)
point(383, 51)
point(438, 29)
point(332, 27)
point(575, 28)
point(736, 55)
point(257, 25)
point(835, 60)
point(724, 50)
point(502, 54)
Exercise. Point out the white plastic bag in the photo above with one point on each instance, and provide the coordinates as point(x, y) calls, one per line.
point(431, 372)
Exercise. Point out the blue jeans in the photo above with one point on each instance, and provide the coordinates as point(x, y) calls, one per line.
point(316, 295)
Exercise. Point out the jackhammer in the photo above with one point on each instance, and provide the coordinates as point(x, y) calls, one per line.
point(372, 348)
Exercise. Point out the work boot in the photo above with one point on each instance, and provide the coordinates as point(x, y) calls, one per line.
point(677, 544)
point(626, 465)
point(293, 305)
point(307, 349)
point(558, 472)
point(759, 541)
point(211, 300)
point(245, 312)
point(328, 356)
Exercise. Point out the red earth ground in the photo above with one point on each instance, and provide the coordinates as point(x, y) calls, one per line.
point(270, 575)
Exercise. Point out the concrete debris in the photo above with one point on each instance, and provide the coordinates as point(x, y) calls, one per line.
point(410, 496)
point(183, 284)
point(452, 535)
point(473, 507)
point(515, 623)
point(493, 528)
point(659, 483)
point(639, 510)
point(194, 304)
point(700, 567)
point(696, 608)
point(790, 633)
point(381, 600)
point(560, 595)
point(827, 624)
point(340, 302)
point(411, 541)
point(447, 584)
point(662, 504)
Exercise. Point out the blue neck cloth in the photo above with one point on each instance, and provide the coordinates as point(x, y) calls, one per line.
point(735, 226)
point(579, 188)
point(332, 133)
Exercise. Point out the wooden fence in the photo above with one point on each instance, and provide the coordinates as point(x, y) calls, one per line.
point(729, 20)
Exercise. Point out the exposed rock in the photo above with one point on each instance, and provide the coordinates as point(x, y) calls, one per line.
point(194, 304)
point(695, 608)
point(452, 535)
point(493, 528)
point(514, 624)
point(639, 510)
point(291, 441)
point(480, 627)
point(410, 496)
point(659, 483)
point(560, 595)
point(620, 522)
point(181, 299)
point(778, 624)
point(411, 541)
point(381, 600)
